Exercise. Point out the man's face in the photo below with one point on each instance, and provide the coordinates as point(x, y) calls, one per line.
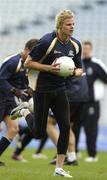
point(86, 51)
point(25, 53)
point(67, 27)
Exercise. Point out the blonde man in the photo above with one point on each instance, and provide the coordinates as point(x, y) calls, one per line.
point(49, 87)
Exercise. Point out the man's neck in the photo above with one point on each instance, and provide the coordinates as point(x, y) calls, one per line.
point(62, 37)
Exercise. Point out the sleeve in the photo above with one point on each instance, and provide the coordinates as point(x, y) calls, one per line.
point(6, 71)
point(39, 50)
point(77, 57)
point(101, 71)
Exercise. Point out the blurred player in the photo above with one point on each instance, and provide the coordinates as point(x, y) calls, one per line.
point(13, 82)
point(95, 71)
point(24, 138)
point(49, 87)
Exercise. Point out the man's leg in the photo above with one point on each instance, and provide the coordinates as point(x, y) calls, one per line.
point(41, 108)
point(12, 130)
point(77, 120)
point(24, 140)
point(53, 133)
point(71, 154)
point(37, 121)
point(60, 108)
point(75, 110)
point(91, 128)
point(12, 127)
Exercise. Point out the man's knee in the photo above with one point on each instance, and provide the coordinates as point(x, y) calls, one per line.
point(14, 130)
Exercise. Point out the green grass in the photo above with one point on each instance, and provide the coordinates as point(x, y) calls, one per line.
point(41, 170)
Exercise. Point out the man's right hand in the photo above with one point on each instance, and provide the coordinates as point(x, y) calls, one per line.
point(20, 94)
point(54, 68)
point(16, 92)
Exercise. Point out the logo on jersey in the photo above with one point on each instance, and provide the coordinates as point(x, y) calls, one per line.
point(89, 71)
point(57, 52)
point(91, 110)
point(71, 53)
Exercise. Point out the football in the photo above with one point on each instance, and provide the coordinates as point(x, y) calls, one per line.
point(66, 65)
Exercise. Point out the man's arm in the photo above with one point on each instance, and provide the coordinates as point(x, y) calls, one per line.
point(78, 62)
point(6, 71)
point(35, 65)
point(101, 71)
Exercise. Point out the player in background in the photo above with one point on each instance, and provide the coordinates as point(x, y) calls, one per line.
point(77, 91)
point(13, 82)
point(24, 137)
point(96, 73)
point(49, 88)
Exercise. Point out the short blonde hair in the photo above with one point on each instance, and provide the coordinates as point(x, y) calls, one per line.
point(62, 16)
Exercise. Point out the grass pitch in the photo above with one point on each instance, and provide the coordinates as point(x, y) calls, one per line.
point(41, 170)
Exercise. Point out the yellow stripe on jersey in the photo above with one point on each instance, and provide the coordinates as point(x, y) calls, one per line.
point(33, 77)
point(76, 46)
point(19, 65)
point(49, 49)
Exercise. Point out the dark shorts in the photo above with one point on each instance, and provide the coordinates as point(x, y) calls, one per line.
point(5, 108)
point(75, 111)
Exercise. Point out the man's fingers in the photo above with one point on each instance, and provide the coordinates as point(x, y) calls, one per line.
point(56, 64)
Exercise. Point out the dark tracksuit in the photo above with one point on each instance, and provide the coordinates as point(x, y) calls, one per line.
point(77, 92)
point(95, 70)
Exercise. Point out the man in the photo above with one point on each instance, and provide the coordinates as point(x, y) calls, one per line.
point(13, 82)
point(49, 87)
point(95, 71)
